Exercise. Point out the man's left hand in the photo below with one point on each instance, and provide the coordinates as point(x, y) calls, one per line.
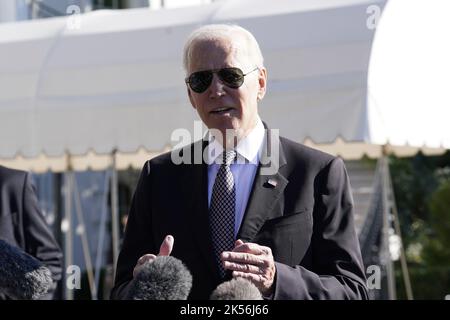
point(253, 262)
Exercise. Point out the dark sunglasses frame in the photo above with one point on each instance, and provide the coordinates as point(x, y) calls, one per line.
point(206, 78)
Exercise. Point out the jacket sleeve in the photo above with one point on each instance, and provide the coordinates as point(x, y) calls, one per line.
point(337, 271)
point(137, 238)
point(39, 239)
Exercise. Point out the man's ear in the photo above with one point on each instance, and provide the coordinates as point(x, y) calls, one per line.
point(189, 92)
point(262, 82)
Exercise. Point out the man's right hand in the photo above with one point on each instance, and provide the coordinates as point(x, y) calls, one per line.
point(164, 250)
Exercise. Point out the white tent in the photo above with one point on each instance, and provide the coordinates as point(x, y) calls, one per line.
point(75, 90)
point(112, 81)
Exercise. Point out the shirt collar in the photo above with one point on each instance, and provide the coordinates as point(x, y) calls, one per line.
point(248, 148)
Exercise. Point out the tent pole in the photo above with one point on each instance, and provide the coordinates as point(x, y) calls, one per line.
point(57, 182)
point(405, 272)
point(114, 212)
point(102, 230)
point(67, 226)
point(392, 295)
point(84, 241)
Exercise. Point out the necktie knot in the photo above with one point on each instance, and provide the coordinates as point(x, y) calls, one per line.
point(228, 157)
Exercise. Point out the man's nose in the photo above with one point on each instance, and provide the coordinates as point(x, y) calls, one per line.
point(216, 89)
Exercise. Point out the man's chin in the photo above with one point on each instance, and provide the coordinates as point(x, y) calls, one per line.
point(228, 134)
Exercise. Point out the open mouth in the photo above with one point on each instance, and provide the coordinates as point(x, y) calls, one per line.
point(222, 110)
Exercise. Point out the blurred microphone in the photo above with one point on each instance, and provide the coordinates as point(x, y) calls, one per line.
point(236, 289)
point(165, 278)
point(22, 276)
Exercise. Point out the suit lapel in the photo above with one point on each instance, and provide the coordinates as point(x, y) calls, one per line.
point(266, 191)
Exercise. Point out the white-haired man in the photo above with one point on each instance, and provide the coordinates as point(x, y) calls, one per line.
point(290, 231)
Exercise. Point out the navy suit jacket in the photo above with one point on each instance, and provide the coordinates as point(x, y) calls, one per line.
point(306, 218)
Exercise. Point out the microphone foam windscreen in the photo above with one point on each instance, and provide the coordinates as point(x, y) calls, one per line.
point(22, 276)
point(236, 289)
point(165, 278)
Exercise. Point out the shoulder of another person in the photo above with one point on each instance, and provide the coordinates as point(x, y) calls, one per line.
point(10, 176)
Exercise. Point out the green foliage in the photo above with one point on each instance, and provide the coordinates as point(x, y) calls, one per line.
point(413, 182)
point(437, 248)
point(427, 282)
point(422, 190)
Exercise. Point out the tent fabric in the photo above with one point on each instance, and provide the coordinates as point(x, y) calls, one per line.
point(407, 101)
point(113, 81)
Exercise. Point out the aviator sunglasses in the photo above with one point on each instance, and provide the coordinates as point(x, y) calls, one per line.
point(231, 77)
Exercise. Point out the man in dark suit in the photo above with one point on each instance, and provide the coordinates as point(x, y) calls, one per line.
point(22, 223)
point(243, 202)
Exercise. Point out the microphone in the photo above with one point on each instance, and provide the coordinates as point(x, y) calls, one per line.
point(164, 278)
point(22, 276)
point(236, 289)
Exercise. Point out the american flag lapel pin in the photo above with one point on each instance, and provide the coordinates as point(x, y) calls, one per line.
point(272, 182)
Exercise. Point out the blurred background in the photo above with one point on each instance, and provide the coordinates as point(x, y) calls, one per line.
point(91, 89)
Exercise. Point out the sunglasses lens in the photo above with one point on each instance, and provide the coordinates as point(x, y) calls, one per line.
point(200, 81)
point(232, 77)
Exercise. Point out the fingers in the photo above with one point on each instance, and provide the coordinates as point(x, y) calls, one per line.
point(241, 257)
point(146, 257)
point(140, 263)
point(256, 279)
point(136, 270)
point(238, 243)
point(252, 262)
point(252, 248)
point(248, 268)
point(164, 250)
point(248, 258)
point(262, 280)
point(246, 262)
point(166, 246)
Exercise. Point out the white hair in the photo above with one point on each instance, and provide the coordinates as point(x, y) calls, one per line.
point(220, 31)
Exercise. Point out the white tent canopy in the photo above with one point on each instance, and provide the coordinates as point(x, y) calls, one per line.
point(113, 80)
point(409, 75)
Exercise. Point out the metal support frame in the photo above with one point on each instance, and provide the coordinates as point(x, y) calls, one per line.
point(114, 212)
point(390, 216)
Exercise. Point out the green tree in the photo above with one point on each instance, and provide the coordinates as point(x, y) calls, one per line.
point(437, 247)
point(422, 189)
